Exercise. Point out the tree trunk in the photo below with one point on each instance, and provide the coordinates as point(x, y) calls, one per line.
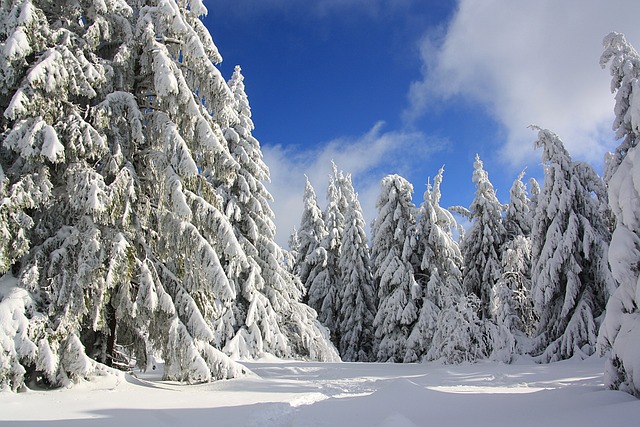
point(111, 339)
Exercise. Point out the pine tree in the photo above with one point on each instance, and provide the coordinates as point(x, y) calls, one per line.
point(292, 254)
point(512, 307)
point(111, 166)
point(325, 290)
point(358, 302)
point(517, 219)
point(120, 151)
point(620, 331)
point(438, 270)
point(570, 240)
point(448, 328)
point(482, 243)
point(268, 315)
point(398, 292)
point(459, 334)
point(312, 231)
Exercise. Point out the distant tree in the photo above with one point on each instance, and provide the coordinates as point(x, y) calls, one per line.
point(325, 291)
point(398, 292)
point(517, 219)
point(311, 232)
point(292, 254)
point(358, 300)
point(438, 270)
point(620, 331)
point(534, 194)
point(570, 240)
point(448, 328)
point(483, 241)
point(512, 306)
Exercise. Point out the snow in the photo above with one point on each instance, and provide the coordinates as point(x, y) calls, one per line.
point(285, 393)
point(16, 46)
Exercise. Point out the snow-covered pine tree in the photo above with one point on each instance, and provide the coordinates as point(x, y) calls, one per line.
point(571, 280)
point(517, 219)
point(268, 314)
point(130, 245)
point(292, 254)
point(311, 232)
point(620, 331)
point(448, 328)
point(47, 77)
point(482, 242)
point(398, 292)
point(325, 289)
point(459, 334)
point(534, 193)
point(110, 166)
point(358, 304)
point(512, 306)
point(439, 269)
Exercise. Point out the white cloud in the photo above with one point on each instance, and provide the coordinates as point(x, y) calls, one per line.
point(368, 158)
point(529, 62)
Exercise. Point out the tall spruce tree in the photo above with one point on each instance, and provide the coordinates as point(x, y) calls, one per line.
point(292, 254)
point(482, 243)
point(358, 300)
point(117, 149)
point(268, 315)
point(438, 272)
point(325, 290)
point(448, 328)
point(512, 306)
point(312, 231)
point(110, 167)
point(620, 331)
point(398, 292)
point(570, 239)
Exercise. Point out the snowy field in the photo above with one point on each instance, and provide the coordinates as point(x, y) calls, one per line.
point(568, 393)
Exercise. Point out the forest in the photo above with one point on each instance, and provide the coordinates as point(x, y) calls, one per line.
point(135, 224)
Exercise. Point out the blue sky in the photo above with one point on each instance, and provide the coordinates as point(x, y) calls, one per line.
point(407, 86)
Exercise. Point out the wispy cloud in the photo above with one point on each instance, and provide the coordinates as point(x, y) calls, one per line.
point(368, 158)
point(529, 62)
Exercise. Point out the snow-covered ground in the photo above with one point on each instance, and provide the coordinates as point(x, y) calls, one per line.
point(284, 393)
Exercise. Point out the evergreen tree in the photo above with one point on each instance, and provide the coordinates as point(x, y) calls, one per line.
point(459, 334)
point(312, 231)
point(438, 270)
point(268, 315)
point(110, 167)
point(398, 292)
point(292, 254)
point(512, 307)
point(120, 151)
point(325, 290)
point(358, 303)
point(570, 240)
point(620, 331)
point(448, 328)
point(517, 219)
point(534, 194)
point(482, 243)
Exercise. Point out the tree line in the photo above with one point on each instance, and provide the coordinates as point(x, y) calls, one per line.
point(552, 274)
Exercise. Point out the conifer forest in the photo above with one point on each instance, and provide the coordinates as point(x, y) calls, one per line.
point(136, 225)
